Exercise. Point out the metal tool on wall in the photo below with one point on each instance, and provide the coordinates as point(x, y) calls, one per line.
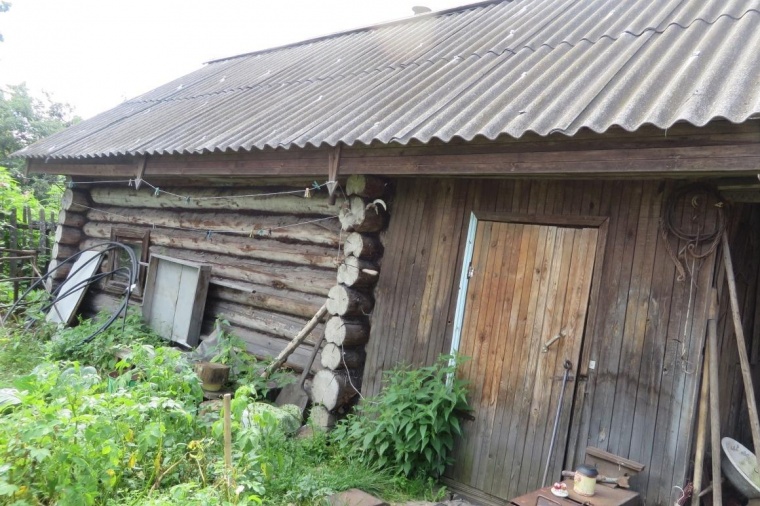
point(567, 365)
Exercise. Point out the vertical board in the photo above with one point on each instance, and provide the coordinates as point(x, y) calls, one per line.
point(643, 336)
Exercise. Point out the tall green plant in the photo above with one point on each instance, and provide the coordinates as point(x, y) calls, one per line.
point(410, 426)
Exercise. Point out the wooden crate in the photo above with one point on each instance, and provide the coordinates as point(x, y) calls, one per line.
point(175, 297)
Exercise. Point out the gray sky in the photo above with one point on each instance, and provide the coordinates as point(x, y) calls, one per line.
point(95, 54)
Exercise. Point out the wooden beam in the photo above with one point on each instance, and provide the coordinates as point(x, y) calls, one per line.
point(140, 172)
point(602, 157)
point(332, 173)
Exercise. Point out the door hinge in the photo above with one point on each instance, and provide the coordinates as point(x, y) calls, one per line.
point(470, 271)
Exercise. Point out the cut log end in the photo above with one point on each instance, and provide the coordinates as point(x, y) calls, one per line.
point(342, 300)
point(343, 332)
point(361, 215)
point(332, 389)
point(338, 357)
point(366, 186)
point(362, 246)
point(356, 272)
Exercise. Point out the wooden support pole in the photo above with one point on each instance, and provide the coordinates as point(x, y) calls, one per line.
point(295, 343)
point(699, 451)
point(227, 402)
point(741, 344)
point(712, 353)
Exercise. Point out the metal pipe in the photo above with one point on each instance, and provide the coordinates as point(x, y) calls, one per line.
point(567, 365)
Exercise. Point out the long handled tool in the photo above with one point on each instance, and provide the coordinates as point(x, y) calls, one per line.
point(295, 393)
point(741, 344)
point(712, 342)
point(567, 365)
point(295, 343)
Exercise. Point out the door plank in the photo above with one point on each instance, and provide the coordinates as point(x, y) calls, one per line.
point(529, 282)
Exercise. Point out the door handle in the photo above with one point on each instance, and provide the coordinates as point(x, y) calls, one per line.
point(553, 340)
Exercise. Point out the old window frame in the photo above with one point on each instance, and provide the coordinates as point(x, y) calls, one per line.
point(129, 237)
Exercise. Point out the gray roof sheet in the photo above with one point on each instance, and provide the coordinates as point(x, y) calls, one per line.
point(488, 69)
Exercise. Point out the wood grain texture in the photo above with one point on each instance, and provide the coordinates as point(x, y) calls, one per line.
point(640, 397)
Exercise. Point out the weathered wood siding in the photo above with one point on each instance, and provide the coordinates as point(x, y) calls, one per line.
point(270, 272)
point(745, 245)
point(645, 330)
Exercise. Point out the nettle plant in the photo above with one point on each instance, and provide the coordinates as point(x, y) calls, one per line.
point(409, 428)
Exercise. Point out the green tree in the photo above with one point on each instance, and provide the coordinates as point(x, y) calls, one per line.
point(25, 119)
point(4, 6)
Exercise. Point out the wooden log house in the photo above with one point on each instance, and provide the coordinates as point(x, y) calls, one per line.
point(507, 178)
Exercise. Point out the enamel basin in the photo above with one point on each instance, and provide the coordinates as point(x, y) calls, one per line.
point(740, 467)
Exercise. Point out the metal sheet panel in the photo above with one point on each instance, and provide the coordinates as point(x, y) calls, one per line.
point(489, 69)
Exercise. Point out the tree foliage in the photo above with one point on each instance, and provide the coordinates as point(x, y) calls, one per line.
point(25, 119)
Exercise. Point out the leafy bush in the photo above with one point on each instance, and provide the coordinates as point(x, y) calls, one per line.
point(68, 343)
point(410, 426)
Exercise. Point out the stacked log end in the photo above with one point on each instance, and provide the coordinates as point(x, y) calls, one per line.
point(351, 301)
point(68, 234)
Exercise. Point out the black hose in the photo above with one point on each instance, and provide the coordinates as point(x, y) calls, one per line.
point(131, 272)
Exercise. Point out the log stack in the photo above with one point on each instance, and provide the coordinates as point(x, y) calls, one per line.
point(350, 302)
point(68, 233)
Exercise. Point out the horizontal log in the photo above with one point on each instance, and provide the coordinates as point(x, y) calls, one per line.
point(59, 271)
point(332, 389)
point(223, 199)
point(283, 326)
point(371, 187)
point(324, 233)
point(298, 279)
point(362, 246)
point(345, 301)
point(68, 235)
point(74, 200)
point(62, 251)
point(342, 332)
point(265, 347)
point(356, 272)
point(339, 357)
point(230, 245)
point(265, 297)
point(361, 215)
point(71, 218)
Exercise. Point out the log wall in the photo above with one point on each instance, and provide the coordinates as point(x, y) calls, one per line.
point(643, 333)
point(270, 271)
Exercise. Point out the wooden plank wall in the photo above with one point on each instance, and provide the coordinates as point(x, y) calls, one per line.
point(642, 332)
point(745, 244)
point(267, 284)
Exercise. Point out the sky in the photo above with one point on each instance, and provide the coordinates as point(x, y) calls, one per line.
point(94, 54)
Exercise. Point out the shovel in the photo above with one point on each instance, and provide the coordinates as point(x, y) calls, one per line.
point(295, 393)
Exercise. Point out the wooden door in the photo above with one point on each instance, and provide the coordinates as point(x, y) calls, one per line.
point(528, 283)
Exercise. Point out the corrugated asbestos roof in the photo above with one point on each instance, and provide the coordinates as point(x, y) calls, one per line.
point(505, 67)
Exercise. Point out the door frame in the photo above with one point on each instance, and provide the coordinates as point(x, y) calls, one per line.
point(601, 223)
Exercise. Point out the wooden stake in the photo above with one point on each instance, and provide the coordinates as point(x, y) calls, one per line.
point(228, 434)
point(712, 342)
point(699, 452)
point(741, 344)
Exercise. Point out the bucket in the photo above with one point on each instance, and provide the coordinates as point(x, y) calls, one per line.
point(584, 481)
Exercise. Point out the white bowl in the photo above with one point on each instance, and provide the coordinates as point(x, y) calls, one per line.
point(740, 467)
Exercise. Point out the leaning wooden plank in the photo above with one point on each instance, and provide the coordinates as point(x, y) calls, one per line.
point(297, 340)
point(74, 288)
point(712, 342)
point(741, 344)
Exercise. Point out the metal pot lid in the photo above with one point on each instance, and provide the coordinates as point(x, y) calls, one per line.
point(587, 470)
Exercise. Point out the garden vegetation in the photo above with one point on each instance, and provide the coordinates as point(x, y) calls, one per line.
point(81, 426)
